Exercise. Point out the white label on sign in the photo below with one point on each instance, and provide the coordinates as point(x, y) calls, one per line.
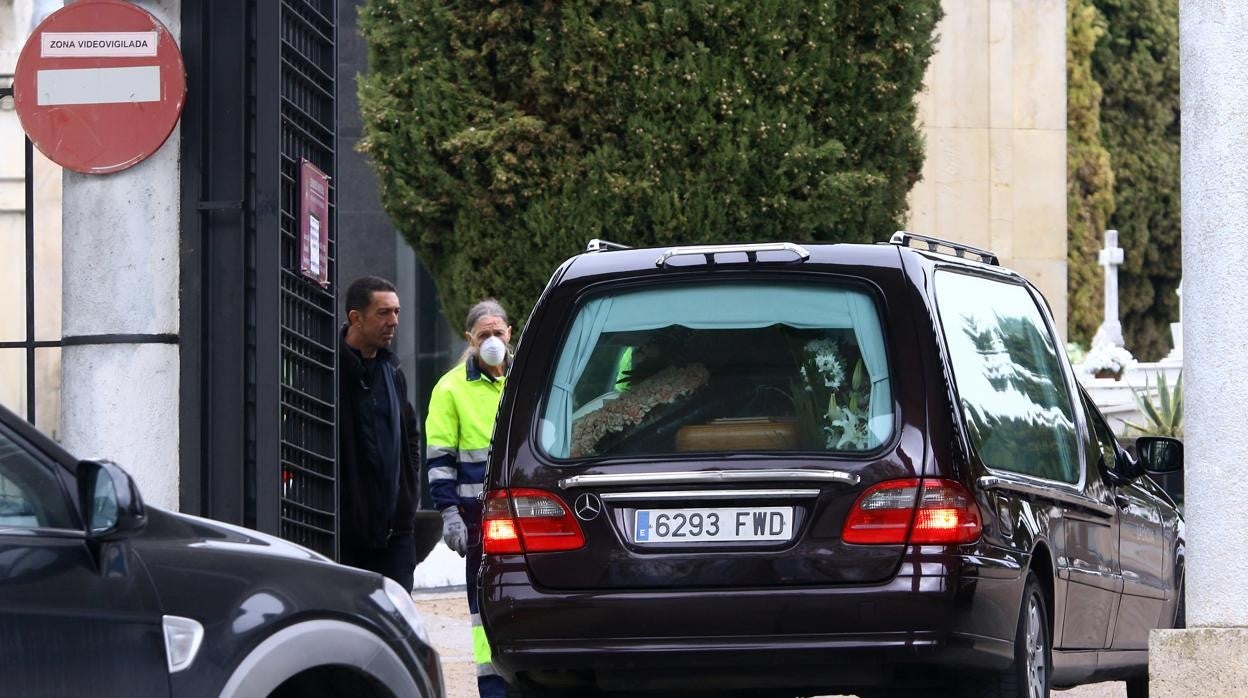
point(314, 245)
point(98, 85)
point(97, 44)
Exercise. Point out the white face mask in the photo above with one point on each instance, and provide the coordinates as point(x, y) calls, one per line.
point(493, 352)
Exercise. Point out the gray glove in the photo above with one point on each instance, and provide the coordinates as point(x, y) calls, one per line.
point(454, 532)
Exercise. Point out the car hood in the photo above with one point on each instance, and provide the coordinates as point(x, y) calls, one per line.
point(199, 533)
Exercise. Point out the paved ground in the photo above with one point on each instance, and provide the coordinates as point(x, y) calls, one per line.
point(446, 616)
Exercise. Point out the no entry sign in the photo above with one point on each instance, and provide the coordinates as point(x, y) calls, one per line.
point(99, 86)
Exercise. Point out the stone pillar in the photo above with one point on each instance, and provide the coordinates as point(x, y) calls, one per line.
point(1208, 659)
point(120, 366)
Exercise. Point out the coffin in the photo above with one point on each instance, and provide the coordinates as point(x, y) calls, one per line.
point(747, 434)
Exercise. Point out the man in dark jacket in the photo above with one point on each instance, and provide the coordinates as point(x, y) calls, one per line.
point(378, 442)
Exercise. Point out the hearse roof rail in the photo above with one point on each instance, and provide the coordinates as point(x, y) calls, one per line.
point(750, 250)
point(597, 245)
point(903, 238)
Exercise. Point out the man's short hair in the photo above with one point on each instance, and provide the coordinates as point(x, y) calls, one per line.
point(360, 292)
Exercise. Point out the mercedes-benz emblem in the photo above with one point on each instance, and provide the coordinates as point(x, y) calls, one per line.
point(588, 507)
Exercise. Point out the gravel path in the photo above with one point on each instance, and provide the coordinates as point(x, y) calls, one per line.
point(446, 617)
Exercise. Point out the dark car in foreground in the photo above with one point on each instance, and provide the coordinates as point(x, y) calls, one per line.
point(101, 595)
point(809, 469)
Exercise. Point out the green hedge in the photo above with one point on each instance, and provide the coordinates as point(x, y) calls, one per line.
point(505, 135)
point(1089, 177)
point(1136, 64)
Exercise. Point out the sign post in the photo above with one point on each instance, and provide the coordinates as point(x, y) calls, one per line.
point(99, 86)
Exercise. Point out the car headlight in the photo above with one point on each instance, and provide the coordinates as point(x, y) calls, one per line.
point(400, 600)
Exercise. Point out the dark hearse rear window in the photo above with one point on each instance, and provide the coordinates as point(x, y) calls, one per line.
point(723, 367)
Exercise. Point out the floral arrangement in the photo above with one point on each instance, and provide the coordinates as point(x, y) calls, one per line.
point(1107, 361)
point(631, 407)
point(832, 410)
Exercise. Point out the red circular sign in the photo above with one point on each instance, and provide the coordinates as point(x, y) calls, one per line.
point(99, 86)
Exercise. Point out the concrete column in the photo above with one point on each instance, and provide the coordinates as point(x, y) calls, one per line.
point(1207, 659)
point(120, 280)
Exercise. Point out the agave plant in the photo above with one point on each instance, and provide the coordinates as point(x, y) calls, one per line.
point(1165, 418)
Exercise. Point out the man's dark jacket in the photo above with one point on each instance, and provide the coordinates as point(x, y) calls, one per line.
point(361, 488)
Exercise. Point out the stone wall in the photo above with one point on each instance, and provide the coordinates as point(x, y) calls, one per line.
point(994, 116)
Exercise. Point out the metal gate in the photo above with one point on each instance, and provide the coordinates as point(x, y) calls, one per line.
point(28, 344)
point(259, 393)
point(308, 328)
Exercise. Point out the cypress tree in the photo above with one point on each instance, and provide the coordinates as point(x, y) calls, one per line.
point(1089, 178)
point(506, 135)
point(1136, 63)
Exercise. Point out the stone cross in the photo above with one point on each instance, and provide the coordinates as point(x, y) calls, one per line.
point(1110, 331)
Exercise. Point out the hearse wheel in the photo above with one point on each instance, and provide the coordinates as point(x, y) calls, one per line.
point(1033, 654)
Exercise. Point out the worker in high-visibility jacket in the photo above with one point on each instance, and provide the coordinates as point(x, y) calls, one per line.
point(458, 429)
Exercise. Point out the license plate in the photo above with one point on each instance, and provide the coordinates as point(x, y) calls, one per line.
point(712, 525)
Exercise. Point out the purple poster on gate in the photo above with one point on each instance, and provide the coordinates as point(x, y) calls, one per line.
point(314, 223)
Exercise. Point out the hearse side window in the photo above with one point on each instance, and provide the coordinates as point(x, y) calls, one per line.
point(1104, 435)
point(1014, 396)
point(724, 367)
point(31, 496)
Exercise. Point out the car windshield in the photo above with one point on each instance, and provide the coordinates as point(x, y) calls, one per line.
point(720, 367)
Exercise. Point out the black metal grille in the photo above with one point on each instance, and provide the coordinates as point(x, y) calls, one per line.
point(29, 344)
point(308, 333)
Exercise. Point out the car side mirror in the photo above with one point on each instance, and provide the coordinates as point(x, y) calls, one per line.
point(111, 506)
point(1159, 455)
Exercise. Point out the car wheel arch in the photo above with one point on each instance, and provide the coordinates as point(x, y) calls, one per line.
point(1043, 565)
point(313, 644)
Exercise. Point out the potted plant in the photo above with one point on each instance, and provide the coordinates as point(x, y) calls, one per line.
point(1107, 361)
point(1161, 418)
point(1165, 417)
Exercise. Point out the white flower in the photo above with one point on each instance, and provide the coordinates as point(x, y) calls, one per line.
point(848, 429)
point(1107, 357)
point(823, 351)
point(843, 426)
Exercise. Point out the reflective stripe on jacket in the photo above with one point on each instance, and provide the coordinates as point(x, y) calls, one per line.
point(458, 428)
